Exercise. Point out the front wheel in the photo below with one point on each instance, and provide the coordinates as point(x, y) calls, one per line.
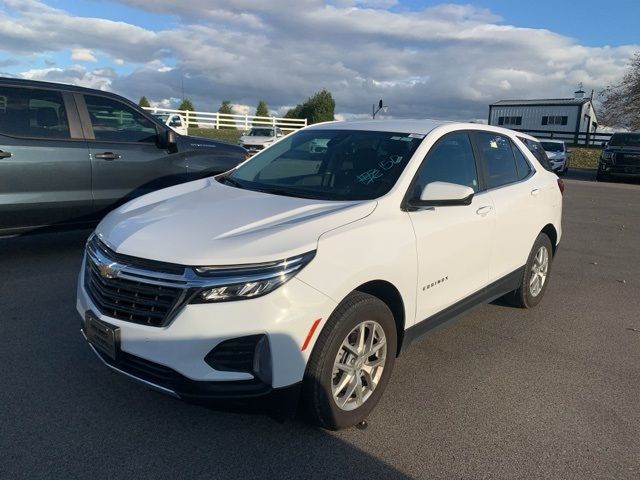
point(537, 271)
point(351, 362)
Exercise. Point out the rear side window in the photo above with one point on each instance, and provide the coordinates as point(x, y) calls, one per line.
point(449, 160)
point(34, 113)
point(523, 167)
point(498, 159)
point(538, 152)
point(113, 121)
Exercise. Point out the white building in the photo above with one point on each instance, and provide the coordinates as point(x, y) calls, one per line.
point(572, 119)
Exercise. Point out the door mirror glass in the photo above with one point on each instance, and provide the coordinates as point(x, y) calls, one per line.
point(170, 139)
point(443, 194)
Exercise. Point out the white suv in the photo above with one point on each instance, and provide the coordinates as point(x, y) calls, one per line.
point(306, 271)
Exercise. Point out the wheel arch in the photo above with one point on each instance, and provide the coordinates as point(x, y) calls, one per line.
point(388, 293)
point(550, 231)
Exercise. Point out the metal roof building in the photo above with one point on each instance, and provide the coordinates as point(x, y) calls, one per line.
point(563, 118)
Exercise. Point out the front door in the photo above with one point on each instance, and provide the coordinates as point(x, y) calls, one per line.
point(45, 172)
point(453, 242)
point(126, 155)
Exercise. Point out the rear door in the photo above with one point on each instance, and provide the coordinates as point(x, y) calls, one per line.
point(126, 154)
point(518, 201)
point(45, 172)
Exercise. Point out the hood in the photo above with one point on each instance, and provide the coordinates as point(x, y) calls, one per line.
point(256, 140)
point(207, 223)
point(555, 155)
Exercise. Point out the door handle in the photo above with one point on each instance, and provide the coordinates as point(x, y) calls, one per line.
point(107, 156)
point(484, 210)
point(535, 192)
point(4, 154)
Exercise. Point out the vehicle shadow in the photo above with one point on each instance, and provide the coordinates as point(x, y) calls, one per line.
point(68, 416)
point(589, 175)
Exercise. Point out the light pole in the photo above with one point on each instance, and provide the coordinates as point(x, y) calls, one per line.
point(381, 106)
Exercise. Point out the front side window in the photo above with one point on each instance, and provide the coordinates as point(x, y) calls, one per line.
point(113, 121)
point(329, 164)
point(498, 159)
point(30, 112)
point(449, 160)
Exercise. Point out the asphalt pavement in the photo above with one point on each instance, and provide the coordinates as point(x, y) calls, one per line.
point(552, 392)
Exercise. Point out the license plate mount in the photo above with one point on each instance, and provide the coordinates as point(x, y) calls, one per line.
point(102, 336)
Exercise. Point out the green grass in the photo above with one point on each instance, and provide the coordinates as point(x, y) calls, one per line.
point(584, 157)
point(226, 135)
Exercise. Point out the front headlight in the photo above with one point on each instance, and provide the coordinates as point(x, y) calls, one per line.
point(241, 282)
point(607, 155)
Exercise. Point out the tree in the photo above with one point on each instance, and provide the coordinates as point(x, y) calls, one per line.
point(318, 108)
point(226, 109)
point(261, 109)
point(186, 105)
point(621, 101)
point(143, 102)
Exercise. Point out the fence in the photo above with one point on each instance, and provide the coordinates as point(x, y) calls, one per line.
point(581, 139)
point(223, 120)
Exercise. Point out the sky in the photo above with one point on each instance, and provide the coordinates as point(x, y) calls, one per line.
point(426, 59)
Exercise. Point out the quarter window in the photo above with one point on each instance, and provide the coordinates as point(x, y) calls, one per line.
point(523, 167)
point(114, 121)
point(449, 160)
point(498, 159)
point(29, 112)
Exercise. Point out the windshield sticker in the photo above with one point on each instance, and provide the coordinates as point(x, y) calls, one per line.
point(368, 177)
point(390, 162)
point(416, 135)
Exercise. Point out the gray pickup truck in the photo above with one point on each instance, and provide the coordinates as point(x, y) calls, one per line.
point(620, 156)
point(68, 155)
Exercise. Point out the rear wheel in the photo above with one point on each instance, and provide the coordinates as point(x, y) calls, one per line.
point(351, 362)
point(535, 278)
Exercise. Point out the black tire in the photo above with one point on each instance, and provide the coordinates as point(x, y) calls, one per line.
point(317, 395)
point(601, 177)
point(523, 296)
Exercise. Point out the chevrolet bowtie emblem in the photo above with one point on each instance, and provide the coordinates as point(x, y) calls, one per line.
point(109, 270)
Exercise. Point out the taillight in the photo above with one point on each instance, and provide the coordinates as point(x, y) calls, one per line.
point(561, 185)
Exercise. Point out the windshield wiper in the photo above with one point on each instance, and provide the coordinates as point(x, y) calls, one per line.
point(232, 181)
point(291, 193)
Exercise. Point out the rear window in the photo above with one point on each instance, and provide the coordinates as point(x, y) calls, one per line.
point(538, 152)
point(31, 112)
point(625, 140)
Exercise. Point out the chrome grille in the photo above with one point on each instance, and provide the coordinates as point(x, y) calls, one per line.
point(134, 293)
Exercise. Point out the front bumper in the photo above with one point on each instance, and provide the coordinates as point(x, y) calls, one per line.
point(173, 356)
point(620, 170)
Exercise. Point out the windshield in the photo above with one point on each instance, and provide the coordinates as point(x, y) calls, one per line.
point(261, 132)
point(552, 146)
point(625, 140)
point(329, 164)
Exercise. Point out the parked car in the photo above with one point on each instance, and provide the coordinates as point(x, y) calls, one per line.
point(69, 154)
point(173, 121)
point(620, 156)
point(307, 272)
point(558, 155)
point(259, 138)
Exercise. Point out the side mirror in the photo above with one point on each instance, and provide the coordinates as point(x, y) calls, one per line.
point(603, 144)
point(568, 150)
point(441, 194)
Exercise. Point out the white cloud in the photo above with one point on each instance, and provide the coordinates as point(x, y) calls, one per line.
point(83, 55)
point(446, 61)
